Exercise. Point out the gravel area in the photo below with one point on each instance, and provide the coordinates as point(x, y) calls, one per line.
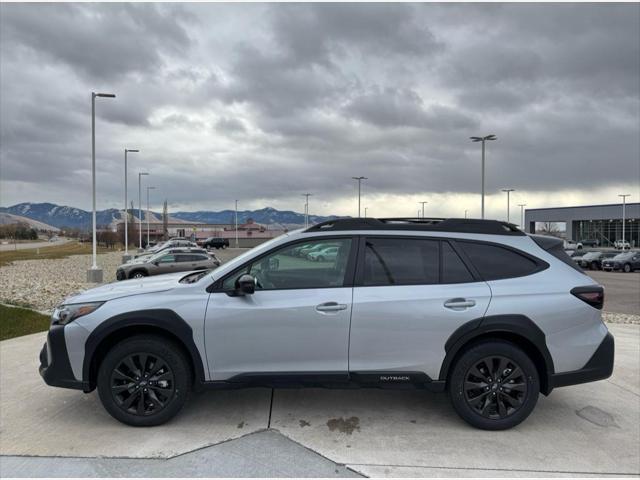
point(42, 284)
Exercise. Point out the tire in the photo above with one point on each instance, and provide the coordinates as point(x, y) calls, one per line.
point(321, 259)
point(475, 403)
point(138, 274)
point(594, 265)
point(121, 368)
point(627, 268)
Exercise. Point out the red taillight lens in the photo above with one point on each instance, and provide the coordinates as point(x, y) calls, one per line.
point(593, 295)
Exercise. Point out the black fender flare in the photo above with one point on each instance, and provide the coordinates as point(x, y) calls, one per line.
point(519, 325)
point(161, 319)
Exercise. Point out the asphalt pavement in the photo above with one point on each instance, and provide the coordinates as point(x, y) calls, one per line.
point(621, 290)
point(590, 429)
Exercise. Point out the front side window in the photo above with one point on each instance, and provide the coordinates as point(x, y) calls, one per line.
point(494, 262)
point(320, 264)
point(400, 261)
point(167, 259)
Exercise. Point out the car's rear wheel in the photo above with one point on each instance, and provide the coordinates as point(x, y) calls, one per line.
point(144, 380)
point(627, 268)
point(594, 265)
point(138, 274)
point(494, 385)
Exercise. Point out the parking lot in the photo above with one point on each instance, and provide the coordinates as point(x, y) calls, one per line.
point(580, 430)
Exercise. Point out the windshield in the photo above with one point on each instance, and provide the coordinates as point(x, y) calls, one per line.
point(591, 255)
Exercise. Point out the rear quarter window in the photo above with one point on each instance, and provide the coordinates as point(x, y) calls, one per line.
point(494, 262)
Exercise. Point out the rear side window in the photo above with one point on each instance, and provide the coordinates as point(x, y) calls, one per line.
point(400, 261)
point(453, 268)
point(494, 262)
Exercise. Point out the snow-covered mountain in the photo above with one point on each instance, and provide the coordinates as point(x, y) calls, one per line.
point(65, 216)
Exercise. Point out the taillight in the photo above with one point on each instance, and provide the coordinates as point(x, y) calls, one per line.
point(593, 295)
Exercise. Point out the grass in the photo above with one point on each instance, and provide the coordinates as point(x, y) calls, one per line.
point(55, 251)
point(16, 321)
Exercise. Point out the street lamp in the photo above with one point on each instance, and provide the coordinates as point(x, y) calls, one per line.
point(148, 188)
point(522, 205)
point(140, 174)
point(359, 179)
point(126, 208)
point(365, 211)
point(508, 191)
point(624, 208)
point(306, 209)
point(465, 213)
point(483, 140)
point(236, 223)
point(94, 275)
point(423, 208)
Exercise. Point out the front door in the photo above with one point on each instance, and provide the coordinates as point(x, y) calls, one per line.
point(410, 296)
point(297, 321)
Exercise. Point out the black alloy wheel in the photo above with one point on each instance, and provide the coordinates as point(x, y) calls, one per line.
point(142, 384)
point(495, 387)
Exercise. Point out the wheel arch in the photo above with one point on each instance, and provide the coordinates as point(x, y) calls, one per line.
point(135, 270)
point(160, 322)
point(517, 329)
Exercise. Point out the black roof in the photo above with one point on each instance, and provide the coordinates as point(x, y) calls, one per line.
point(458, 225)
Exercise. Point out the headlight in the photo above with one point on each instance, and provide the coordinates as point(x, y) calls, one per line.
point(68, 313)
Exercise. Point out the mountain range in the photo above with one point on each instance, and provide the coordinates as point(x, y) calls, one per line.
point(65, 216)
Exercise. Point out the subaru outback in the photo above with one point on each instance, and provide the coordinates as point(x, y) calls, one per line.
point(474, 308)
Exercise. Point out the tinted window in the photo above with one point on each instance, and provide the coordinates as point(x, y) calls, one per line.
point(400, 261)
point(494, 262)
point(167, 259)
point(321, 264)
point(453, 268)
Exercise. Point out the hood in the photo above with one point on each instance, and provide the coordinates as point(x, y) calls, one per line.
point(125, 288)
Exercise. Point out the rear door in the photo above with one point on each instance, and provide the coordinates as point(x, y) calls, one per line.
point(410, 295)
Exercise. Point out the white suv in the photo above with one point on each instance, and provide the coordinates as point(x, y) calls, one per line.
point(476, 308)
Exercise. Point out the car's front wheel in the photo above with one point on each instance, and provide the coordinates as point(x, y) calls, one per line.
point(138, 274)
point(627, 268)
point(144, 380)
point(494, 385)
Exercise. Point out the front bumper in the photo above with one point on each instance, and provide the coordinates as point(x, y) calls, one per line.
point(55, 368)
point(599, 367)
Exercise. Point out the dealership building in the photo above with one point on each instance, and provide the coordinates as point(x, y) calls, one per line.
point(590, 222)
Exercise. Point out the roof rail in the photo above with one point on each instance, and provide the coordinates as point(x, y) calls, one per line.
point(459, 225)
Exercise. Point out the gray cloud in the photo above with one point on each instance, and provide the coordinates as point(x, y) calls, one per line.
point(260, 101)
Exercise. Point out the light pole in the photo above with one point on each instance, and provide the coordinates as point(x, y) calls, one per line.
point(423, 208)
point(508, 191)
point(306, 209)
point(148, 188)
point(624, 208)
point(522, 205)
point(465, 213)
point(94, 274)
point(126, 208)
point(359, 179)
point(483, 140)
point(365, 212)
point(140, 174)
point(236, 223)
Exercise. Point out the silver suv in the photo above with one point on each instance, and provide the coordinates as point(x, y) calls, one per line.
point(169, 260)
point(476, 308)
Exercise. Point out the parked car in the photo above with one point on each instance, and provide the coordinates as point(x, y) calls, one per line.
point(626, 262)
point(324, 255)
point(403, 305)
point(181, 260)
point(571, 245)
point(146, 256)
point(590, 242)
point(315, 247)
point(215, 242)
point(168, 244)
point(593, 260)
point(621, 245)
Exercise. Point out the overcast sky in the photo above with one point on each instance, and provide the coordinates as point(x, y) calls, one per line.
point(265, 102)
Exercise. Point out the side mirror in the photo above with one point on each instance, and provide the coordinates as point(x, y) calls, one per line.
point(246, 285)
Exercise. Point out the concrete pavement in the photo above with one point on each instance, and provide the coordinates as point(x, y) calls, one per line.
point(581, 430)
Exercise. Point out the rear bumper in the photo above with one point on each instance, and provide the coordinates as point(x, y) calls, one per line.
point(55, 368)
point(599, 367)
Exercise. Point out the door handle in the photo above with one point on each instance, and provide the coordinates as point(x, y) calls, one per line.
point(459, 303)
point(330, 307)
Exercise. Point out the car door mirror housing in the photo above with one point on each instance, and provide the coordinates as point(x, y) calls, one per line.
point(245, 285)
